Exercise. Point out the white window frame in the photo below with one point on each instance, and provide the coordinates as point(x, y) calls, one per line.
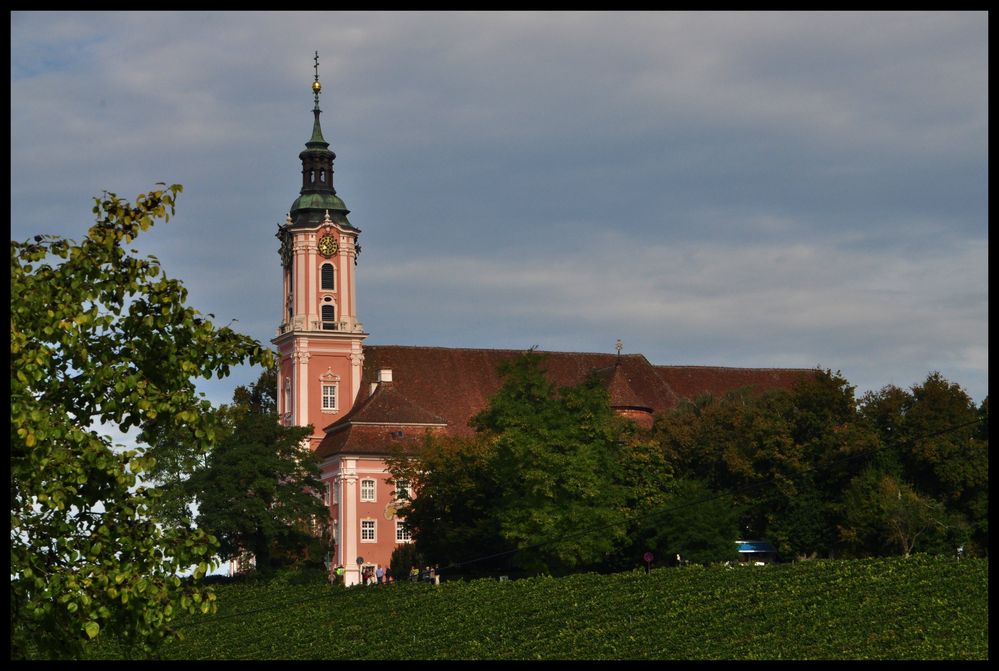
point(402, 532)
point(328, 493)
point(402, 487)
point(373, 487)
point(326, 407)
point(369, 525)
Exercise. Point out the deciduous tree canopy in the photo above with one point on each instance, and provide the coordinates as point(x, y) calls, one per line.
point(101, 338)
point(260, 489)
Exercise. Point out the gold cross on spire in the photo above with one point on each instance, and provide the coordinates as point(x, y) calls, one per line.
point(316, 86)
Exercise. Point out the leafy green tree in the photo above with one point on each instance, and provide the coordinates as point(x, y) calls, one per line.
point(101, 338)
point(785, 456)
point(835, 444)
point(177, 452)
point(646, 478)
point(936, 434)
point(538, 488)
point(884, 512)
point(698, 524)
point(258, 490)
point(742, 444)
point(452, 515)
point(403, 559)
point(555, 455)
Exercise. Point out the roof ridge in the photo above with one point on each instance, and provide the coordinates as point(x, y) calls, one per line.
point(507, 349)
point(670, 365)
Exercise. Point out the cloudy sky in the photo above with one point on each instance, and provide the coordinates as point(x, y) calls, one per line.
point(733, 189)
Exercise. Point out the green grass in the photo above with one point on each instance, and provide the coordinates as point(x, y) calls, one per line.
point(916, 608)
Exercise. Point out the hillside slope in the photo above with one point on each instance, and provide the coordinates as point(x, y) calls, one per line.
point(915, 608)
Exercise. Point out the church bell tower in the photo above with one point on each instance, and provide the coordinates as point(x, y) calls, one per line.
point(319, 338)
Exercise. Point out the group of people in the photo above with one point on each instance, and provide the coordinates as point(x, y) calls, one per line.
point(376, 575)
point(379, 575)
point(428, 574)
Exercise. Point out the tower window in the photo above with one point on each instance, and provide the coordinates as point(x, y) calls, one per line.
point(287, 396)
point(329, 317)
point(328, 277)
point(329, 397)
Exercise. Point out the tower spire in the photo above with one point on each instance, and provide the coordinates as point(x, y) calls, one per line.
point(316, 86)
point(317, 141)
point(318, 194)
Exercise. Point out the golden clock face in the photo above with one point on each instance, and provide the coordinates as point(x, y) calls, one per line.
point(327, 246)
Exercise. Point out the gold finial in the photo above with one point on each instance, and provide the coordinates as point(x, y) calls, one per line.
point(316, 86)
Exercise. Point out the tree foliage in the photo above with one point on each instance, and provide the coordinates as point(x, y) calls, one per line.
point(539, 484)
point(812, 468)
point(452, 517)
point(259, 489)
point(256, 491)
point(699, 524)
point(938, 442)
point(101, 338)
point(555, 455)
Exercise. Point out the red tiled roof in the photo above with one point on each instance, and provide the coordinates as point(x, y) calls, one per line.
point(389, 406)
point(691, 381)
point(617, 382)
point(457, 383)
point(440, 385)
point(367, 439)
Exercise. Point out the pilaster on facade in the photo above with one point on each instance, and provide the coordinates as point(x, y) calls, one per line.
point(357, 365)
point(348, 549)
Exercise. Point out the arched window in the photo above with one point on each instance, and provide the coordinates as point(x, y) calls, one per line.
point(329, 317)
point(287, 396)
point(328, 277)
point(291, 288)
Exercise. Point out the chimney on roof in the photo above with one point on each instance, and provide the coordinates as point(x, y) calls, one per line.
point(383, 375)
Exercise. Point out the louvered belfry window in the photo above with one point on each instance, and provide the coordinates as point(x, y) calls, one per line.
point(329, 317)
point(328, 277)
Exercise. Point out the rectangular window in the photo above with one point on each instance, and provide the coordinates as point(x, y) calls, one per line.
point(336, 493)
point(327, 495)
point(329, 397)
point(402, 534)
point(402, 490)
point(367, 531)
point(367, 490)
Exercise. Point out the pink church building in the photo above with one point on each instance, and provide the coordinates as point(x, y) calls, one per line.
point(365, 401)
